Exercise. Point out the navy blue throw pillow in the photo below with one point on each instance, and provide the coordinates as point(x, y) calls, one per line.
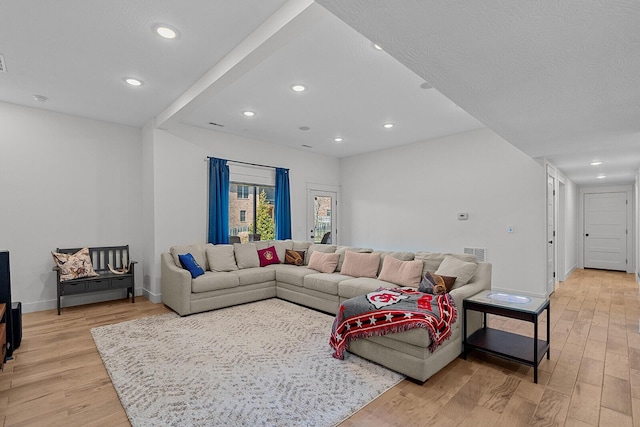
point(189, 263)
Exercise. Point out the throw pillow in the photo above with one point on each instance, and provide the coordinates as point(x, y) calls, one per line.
point(403, 273)
point(221, 258)
point(294, 257)
point(320, 247)
point(463, 271)
point(358, 264)
point(246, 255)
point(323, 262)
point(196, 250)
point(189, 263)
point(268, 256)
point(74, 266)
point(435, 284)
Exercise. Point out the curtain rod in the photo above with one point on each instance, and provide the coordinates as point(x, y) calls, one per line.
point(247, 163)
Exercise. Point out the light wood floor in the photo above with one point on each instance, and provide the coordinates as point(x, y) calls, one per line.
point(593, 377)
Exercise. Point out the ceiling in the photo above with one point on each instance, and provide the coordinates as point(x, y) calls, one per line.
point(559, 80)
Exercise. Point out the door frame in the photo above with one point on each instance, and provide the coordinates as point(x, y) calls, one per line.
point(628, 189)
point(322, 188)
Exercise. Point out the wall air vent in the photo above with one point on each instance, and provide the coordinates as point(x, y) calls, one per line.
point(3, 65)
point(480, 253)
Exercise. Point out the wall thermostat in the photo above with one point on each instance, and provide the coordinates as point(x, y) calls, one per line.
point(463, 216)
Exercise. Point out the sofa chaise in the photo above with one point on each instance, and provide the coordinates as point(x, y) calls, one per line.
point(240, 273)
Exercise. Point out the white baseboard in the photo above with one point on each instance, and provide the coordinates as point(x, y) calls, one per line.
point(154, 298)
point(73, 300)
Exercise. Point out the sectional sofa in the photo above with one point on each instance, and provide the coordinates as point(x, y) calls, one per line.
point(233, 275)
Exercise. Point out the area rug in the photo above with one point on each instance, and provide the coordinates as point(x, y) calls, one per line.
point(266, 363)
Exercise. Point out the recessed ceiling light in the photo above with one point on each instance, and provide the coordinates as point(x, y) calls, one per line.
point(249, 113)
point(165, 31)
point(298, 88)
point(426, 85)
point(306, 146)
point(132, 81)
point(338, 139)
point(304, 128)
point(39, 98)
point(388, 125)
point(601, 176)
point(596, 163)
point(377, 47)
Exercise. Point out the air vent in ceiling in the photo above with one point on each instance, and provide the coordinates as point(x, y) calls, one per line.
point(480, 253)
point(3, 65)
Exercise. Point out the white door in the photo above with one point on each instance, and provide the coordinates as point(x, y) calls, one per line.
point(605, 231)
point(321, 223)
point(551, 236)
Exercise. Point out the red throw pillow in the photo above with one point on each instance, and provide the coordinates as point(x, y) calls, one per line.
point(268, 256)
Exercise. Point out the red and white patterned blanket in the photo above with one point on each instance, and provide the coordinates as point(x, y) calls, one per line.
point(392, 310)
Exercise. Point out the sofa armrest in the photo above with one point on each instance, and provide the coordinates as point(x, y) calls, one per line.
point(479, 282)
point(175, 285)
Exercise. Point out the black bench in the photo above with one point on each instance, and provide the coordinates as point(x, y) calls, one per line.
point(101, 258)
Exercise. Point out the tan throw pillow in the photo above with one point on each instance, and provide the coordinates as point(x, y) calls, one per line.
point(294, 257)
point(74, 266)
point(221, 258)
point(463, 271)
point(323, 262)
point(360, 264)
point(246, 255)
point(403, 273)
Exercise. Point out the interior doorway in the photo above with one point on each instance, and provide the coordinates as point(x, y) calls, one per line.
point(605, 231)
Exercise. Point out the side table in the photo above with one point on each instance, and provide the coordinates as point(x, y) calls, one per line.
point(526, 350)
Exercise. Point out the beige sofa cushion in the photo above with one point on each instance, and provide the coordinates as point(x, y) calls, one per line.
point(463, 271)
point(403, 273)
point(252, 276)
point(292, 274)
point(213, 281)
point(361, 264)
point(325, 283)
point(432, 260)
point(360, 286)
point(221, 258)
point(196, 250)
point(246, 255)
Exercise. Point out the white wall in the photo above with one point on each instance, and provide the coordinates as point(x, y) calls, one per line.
point(180, 183)
point(65, 182)
point(571, 227)
point(408, 198)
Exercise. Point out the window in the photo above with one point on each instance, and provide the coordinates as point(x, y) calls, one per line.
point(255, 204)
point(243, 191)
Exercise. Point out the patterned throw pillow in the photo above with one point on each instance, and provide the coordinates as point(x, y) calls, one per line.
point(74, 266)
point(436, 284)
point(294, 257)
point(268, 256)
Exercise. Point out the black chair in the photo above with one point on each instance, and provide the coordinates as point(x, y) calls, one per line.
point(234, 239)
point(326, 238)
point(254, 237)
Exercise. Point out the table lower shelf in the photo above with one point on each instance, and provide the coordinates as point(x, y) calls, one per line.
point(506, 344)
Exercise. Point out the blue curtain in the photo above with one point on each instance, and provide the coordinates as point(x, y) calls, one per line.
point(218, 201)
point(282, 205)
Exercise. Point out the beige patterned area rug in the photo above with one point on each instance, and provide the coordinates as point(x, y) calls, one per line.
point(266, 363)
